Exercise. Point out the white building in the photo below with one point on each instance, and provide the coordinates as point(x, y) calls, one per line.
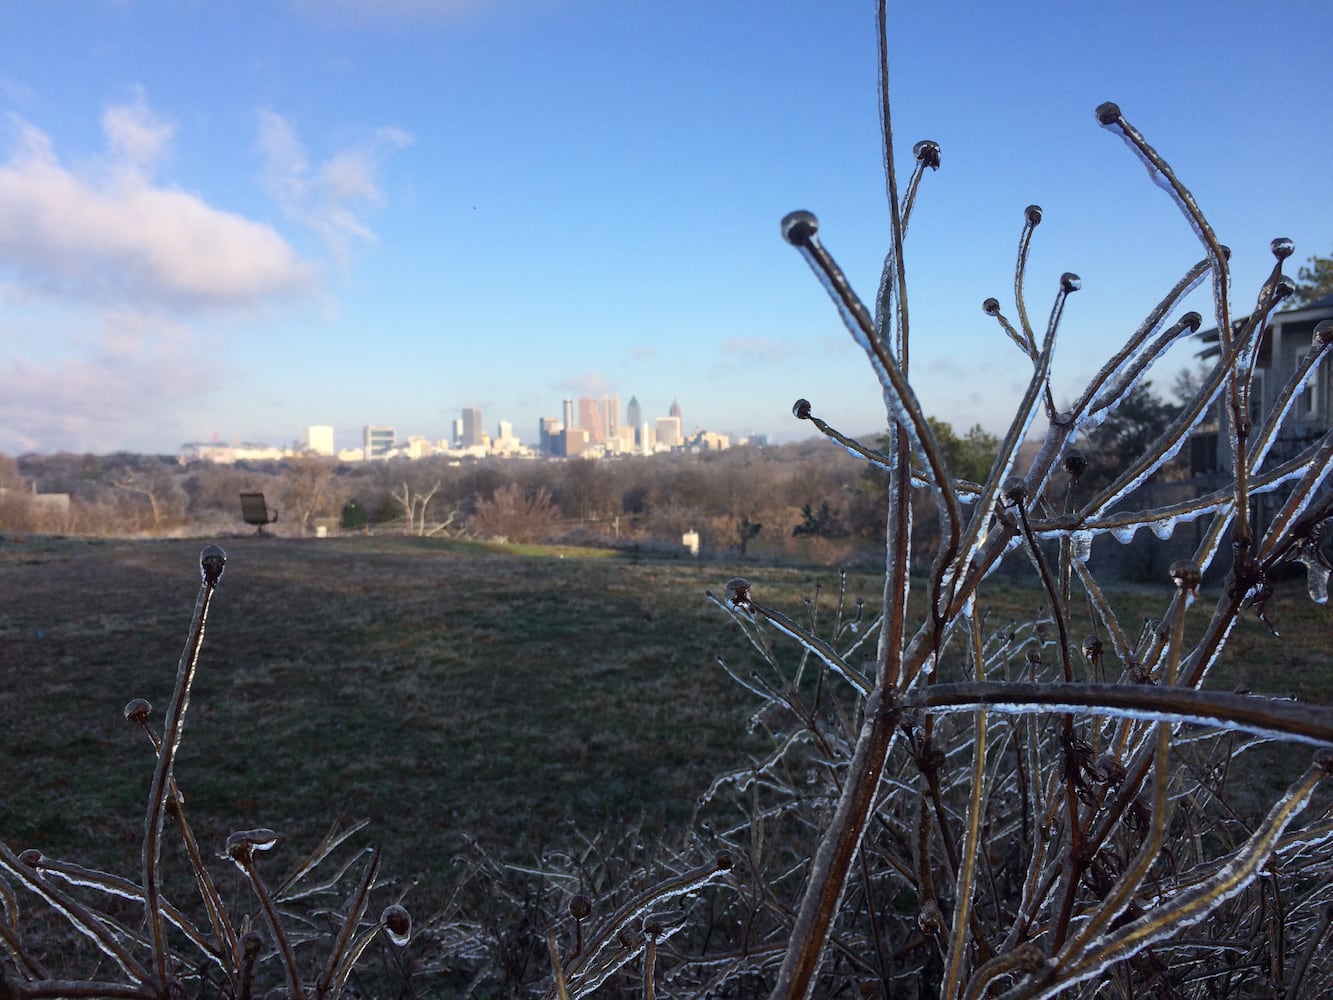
point(319, 439)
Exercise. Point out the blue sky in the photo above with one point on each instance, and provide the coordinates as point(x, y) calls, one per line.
point(232, 220)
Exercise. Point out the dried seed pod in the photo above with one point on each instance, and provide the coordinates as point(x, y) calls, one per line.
point(1282, 247)
point(31, 857)
point(1092, 647)
point(212, 561)
point(580, 907)
point(1323, 333)
point(927, 151)
point(799, 228)
point(137, 710)
point(397, 923)
point(1107, 113)
point(242, 845)
point(931, 919)
point(991, 307)
point(1014, 491)
point(1070, 282)
point(738, 592)
point(723, 861)
point(1186, 574)
point(1110, 769)
point(1284, 289)
point(1075, 463)
point(801, 409)
point(1033, 215)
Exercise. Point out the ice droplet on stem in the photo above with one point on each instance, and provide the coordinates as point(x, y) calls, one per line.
point(212, 561)
point(1283, 247)
point(397, 924)
point(799, 227)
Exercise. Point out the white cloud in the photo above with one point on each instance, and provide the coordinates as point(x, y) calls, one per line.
point(128, 386)
point(120, 238)
point(328, 199)
point(136, 135)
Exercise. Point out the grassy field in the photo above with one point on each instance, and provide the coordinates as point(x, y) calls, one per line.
point(444, 690)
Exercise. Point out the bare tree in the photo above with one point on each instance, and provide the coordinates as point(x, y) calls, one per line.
point(516, 515)
point(310, 488)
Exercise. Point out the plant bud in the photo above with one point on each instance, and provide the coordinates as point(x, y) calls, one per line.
point(927, 151)
point(1075, 463)
point(1283, 247)
point(1186, 574)
point(991, 307)
point(799, 228)
point(138, 710)
point(801, 409)
point(738, 592)
point(580, 907)
point(1014, 491)
point(1092, 647)
point(397, 923)
point(212, 561)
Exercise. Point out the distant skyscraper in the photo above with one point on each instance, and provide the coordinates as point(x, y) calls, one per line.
point(634, 418)
point(379, 441)
point(569, 414)
point(611, 416)
point(547, 429)
point(668, 431)
point(590, 419)
point(472, 429)
point(319, 439)
point(675, 410)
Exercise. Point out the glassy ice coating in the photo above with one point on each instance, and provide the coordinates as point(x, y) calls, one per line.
point(1323, 333)
point(397, 924)
point(1032, 214)
point(928, 152)
point(798, 227)
point(991, 307)
point(212, 561)
point(137, 710)
point(738, 591)
point(243, 843)
point(801, 409)
point(1283, 247)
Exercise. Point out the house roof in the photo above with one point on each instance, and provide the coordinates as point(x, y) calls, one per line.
point(1323, 304)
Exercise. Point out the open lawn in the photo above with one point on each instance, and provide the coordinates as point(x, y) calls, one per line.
point(444, 690)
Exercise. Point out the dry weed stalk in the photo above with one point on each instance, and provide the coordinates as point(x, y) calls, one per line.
point(167, 953)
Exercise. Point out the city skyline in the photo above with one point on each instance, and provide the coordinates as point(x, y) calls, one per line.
point(354, 211)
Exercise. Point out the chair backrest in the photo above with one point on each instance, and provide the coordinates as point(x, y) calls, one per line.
point(254, 510)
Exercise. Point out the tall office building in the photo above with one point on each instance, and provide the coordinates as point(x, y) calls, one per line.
point(569, 414)
point(472, 429)
point(379, 441)
point(611, 416)
point(668, 432)
point(547, 429)
point(634, 418)
point(674, 411)
point(319, 439)
point(590, 419)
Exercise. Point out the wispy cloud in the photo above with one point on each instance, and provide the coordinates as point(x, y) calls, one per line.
point(331, 198)
point(587, 384)
point(113, 235)
point(759, 351)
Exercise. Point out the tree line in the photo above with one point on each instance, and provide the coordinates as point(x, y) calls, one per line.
point(808, 498)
